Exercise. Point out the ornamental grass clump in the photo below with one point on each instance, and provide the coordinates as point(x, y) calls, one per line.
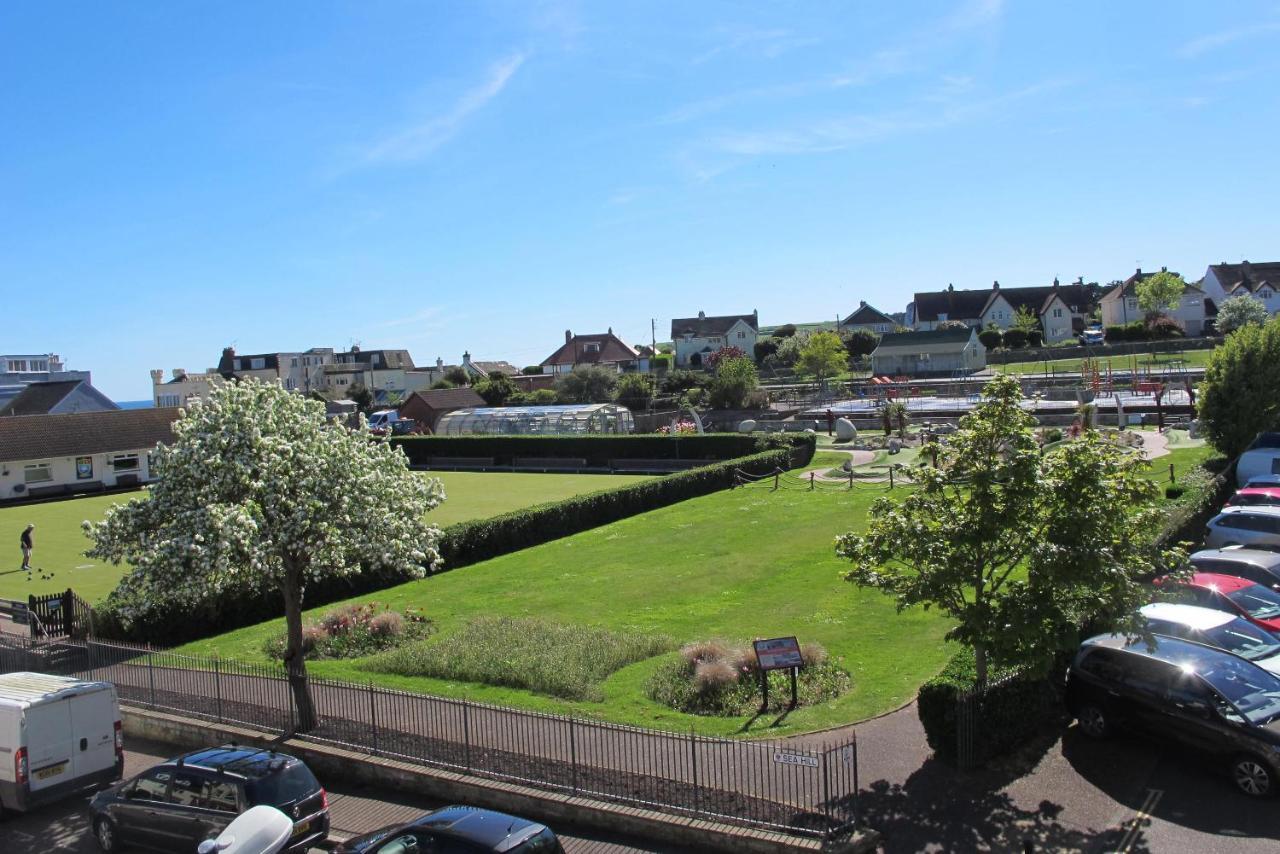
point(557, 659)
point(712, 677)
point(355, 630)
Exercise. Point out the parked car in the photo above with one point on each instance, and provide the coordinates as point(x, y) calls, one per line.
point(1218, 629)
point(1255, 495)
point(460, 829)
point(58, 736)
point(180, 803)
point(1243, 526)
point(1262, 481)
point(1257, 462)
point(388, 422)
point(1093, 335)
point(1257, 604)
point(1201, 698)
point(1257, 565)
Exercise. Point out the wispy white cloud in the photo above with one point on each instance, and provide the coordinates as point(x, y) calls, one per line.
point(768, 43)
point(425, 136)
point(427, 318)
point(1213, 41)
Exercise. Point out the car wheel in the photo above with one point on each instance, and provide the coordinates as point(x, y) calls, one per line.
point(1253, 776)
point(1093, 721)
point(104, 830)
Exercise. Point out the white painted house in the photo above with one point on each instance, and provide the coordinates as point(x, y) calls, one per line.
point(46, 455)
point(1260, 281)
point(696, 338)
point(1194, 309)
point(938, 352)
point(1061, 309)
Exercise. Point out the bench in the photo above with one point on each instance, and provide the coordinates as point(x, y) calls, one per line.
point(461, 463)
point(546, 464)
point(655, 466)
point(47, 491)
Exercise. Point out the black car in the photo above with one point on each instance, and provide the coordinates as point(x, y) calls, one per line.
point(1200, 697)
point(180, 803)
point(457, 830)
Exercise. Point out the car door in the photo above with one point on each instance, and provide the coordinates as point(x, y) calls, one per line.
point(136, 813)
point(222, 802)
point(1194, 716)
point(187, 821)
point(1146, 683)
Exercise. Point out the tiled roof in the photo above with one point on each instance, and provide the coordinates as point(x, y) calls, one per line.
point(702, 326)
point(447, 398)
point(39, 398)
point(611, 349)
point(499, 366)
point(866, 314)
point(934, 341)
point(973, 304)
point(1250, 276)
point(1128, 287)
point(39, 437)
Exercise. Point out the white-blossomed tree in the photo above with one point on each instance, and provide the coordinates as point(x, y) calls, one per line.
point(259, 490)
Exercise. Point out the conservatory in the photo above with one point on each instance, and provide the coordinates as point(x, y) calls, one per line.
point(537, 420)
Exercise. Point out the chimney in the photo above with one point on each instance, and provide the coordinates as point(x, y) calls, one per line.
point(1164, 269)
point(1138, 272)
point(229, 352)
point(862, 303)
point(950, 286)
point(179, 373)
point(568, 336)
point(439, 364)
point(995, 286)
point(466, 358)
point(702, 315)
point(157, 376)
point(1055, 283)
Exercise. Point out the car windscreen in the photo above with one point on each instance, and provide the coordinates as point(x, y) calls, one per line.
point(1252, 690)
point(1244, 639)
point(1261, 603)
point(289, 784)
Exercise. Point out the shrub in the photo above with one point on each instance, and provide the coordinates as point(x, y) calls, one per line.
point(547, 658)
point(1052, 434)
point(990, 338)
point(714, 678)
point(1163, 326)
point(596, 450)
point(1035, 338)
point(1015, 708)
point(1015, 339)
point(354, 630)
point(531, 370)
point(634, 391)
point(765, 347)
point(786, 330)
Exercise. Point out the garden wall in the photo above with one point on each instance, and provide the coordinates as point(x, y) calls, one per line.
point(466, 543)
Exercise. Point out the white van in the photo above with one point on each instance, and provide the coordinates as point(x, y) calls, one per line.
point(1256, 463)
point(57, 736)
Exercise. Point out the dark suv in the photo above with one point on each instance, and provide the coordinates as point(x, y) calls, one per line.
point(180, 803)
point(1201, 697)
point(458, 830)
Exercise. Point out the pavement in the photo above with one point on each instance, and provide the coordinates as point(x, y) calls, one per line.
point(64, 827)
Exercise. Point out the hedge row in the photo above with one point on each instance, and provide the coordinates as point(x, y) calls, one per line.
point(1203, 494)
point(1013, 709)
point(596, 450)
point(461, 544)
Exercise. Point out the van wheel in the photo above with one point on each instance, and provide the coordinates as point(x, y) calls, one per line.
point(105, 832)
point(1252, 776)
point(1093, 721)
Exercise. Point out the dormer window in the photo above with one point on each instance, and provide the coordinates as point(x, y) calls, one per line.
point(591, 348)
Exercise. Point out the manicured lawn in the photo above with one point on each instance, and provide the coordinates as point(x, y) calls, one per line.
point(736, 565)
point(60, 544)
point(1155, 361)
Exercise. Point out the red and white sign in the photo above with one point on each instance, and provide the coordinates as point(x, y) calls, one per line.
point(778, 653)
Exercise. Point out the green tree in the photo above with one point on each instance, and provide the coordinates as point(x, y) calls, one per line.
point(823, 356)
point(1160, 292)
point(362, 397)
point(496, 389)
point(733, 384)
point(786, 330)
point(1024, 320)
point(458, 376)
point(682, 382)
point(894, 413)
point(861, 342)
point(1018, 549)
point(438, 384)
point(990, 337)
point(790, 347)
point(1240, 395)
point(537, 397)
point(260, 493)
point(586, 384)
point(1235, 312)
point(764, 348)
point(635, 391)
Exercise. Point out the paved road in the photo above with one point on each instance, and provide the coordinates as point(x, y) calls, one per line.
point(63, 828)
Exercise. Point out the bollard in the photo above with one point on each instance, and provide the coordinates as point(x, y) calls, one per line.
point(850, 480)
point(891, 478)
point(1172, 479)
point(775, 481)
point(811, 474)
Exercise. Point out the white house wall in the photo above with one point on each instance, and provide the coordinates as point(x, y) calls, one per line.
point(63, 470)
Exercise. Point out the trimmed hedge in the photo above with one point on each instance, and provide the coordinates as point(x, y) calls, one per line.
point(596, 450)
point(465, 543)
point(1013, 710)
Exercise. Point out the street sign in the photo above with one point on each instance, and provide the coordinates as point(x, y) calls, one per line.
point(778, 653)
point(784, 758)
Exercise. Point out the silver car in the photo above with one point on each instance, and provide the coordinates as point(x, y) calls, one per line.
point(1249, 525)
point(1218, 629)
point(1260, 566)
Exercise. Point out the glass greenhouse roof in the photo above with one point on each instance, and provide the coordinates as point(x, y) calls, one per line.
point(537, 420)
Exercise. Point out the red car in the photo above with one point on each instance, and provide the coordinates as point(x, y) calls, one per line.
point(1257, 604)
point(1255, 495)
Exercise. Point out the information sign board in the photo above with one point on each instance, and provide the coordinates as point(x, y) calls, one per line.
point(778, 653)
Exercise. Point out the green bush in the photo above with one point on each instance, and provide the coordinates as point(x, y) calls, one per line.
point(1135, 331)
point(990, 338)
point(1015, 339)
point(1014, 709)
point(547, 658)
point(712, 678)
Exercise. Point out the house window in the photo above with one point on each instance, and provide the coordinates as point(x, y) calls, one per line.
point(1133, 304)
point(1264, 293)
point(288, 383)
point(38, 473)
point(1057, 312)
point(591, 348)
point(923, 357)
point(124, 463)
point(39, 366)
point(376, 357)
point(235, 365)
point(293, 362)
point(17, 366)
point(742, 335)
point(257, 364)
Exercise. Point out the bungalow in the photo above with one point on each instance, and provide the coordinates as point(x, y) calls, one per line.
point(1061, 309)
point(1194, 309)
point(696, 338)
point(45, 455)
point(1260, 281)
point(426, 407)
point(604, 349)
point(869, 318)
point(58, 398)
point(935, 352)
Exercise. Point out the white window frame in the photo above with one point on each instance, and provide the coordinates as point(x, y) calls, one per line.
point(257, 364)
point(1057, 312)
point(17, 366)
point(30, 473)
point(117, 459)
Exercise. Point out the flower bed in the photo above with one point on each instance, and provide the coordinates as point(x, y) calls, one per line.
point(714, 678)
point(353, 631)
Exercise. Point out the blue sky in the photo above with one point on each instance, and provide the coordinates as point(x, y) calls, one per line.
point(177, 177)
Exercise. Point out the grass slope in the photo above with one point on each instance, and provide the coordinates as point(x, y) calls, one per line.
point(737, 565)
point(60, 544)
point(1155, 361)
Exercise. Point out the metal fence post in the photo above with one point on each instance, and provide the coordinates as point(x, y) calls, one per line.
point(151, 675)
point(826, 791)
point(573, 755)
point(466, 732)
point(217, 685)
point(373, 716)
point(693, 761)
